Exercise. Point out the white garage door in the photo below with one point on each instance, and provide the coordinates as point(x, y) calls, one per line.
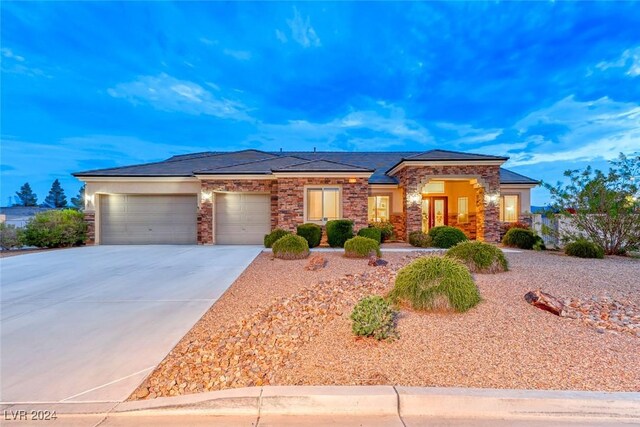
point(148, 220)
point(242, 218)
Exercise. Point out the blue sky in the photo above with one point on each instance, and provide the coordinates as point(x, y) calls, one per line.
point(98, 84)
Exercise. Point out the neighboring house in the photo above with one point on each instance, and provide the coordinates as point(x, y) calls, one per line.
point(238, 197)
point(19, 215)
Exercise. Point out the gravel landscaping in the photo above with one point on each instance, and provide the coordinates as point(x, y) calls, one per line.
point(280, 324)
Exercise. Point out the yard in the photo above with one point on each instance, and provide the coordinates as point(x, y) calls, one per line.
point(280, 324)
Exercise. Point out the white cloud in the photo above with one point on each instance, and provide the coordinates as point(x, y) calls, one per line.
point(167, 93)
point(302, 31)
point(241, 55)
point(8, 53)
point(630, 59)
point(467, 134)
point(16, 64)
point(280, 36)
point(362, 129)
point(594, 129)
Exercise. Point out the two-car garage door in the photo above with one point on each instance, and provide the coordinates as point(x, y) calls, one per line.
point(148, 219)
point(240, 218)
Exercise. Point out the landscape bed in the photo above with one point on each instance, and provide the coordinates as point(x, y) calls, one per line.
point(280, 324)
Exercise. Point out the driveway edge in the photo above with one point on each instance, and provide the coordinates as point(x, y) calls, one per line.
point(410, 402)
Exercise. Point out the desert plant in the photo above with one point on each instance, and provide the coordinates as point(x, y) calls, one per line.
point(271, 238)
point(339, 231)
point(603, 207)
point(420, 239)
point(479, 257)
point(56, 228)
point(519, 238)
point(291, 247)
point(371, 233)
point(361, 247)
point(374, 316)
point(311, 232)
point(10, 236)
point(583, 248)
point(435, 283)
point(445, 237)
point(385, 227)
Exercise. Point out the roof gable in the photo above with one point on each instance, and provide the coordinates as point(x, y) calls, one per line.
point(446, 155)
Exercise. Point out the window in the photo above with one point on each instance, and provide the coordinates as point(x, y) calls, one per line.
point(434, 187)
point(378, 208)
point(323, 204)
point(463, 210)
point(509, 208)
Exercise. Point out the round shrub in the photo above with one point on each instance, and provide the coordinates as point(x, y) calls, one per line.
point(385, 227)
point(420, 239)
point(311, 232)
point(371, 233)
point(435, 283)
point(291, 247)
point(10, 236)
point(361, 247)
point(479, 257)
point(271, 238)
point(445, 237)
point(374, 316)
point(519, 238)
point(583, 248)
point(56, 229)
point(339, 231)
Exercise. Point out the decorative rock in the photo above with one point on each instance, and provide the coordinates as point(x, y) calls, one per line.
point(374, 261)
point(316, 262)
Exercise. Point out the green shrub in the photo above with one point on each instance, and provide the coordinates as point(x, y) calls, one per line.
point(271, 238)
point(519, 238)
point(539, 244)
point(10, 236)
point(479, 257)
point(385, 227)
point(361, 247)
point(291, 247)
point(371, 233)
point(373, 316)
point(311, 232)
point(339, 231)
point(56, 228)
point(583, 248)
point(435, 283)
point(445, 237)
point(420, 239)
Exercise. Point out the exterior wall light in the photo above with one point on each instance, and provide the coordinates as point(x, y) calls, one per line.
point(89, 200)
point(491, 198)
point(352, 180)
point(414, 198)
point(206, 196)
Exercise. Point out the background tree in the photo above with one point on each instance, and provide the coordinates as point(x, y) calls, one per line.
point(56, 197)
point(78, 201)
point(603, 207)
point(26, 196)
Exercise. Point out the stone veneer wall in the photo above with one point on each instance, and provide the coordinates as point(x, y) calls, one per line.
point(205, 211)
point(290, 200)
point(399, 226)
point(412, 178)
point(90, 219)
point(469, 228)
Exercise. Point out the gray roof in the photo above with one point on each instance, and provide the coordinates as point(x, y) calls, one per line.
point(262, 162)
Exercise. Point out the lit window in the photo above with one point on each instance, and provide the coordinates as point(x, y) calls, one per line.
point(509, 208)
point(378, 208)
point(323, 204)
point(463, 210)
point(434, 187)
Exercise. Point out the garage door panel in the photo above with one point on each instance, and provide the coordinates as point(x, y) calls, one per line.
point(138, 219)
point(242, 218)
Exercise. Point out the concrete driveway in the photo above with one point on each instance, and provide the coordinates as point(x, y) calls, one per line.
point(89, 324)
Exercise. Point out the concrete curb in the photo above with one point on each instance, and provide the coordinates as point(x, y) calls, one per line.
point(409, 402)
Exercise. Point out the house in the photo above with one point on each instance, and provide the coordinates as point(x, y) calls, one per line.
point(19, 215)
point(237, 197)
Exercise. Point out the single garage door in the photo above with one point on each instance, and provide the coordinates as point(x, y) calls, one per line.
point(148, 220)
point(242, 218)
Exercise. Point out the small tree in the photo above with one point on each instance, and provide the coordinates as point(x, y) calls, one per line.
point(56, 197)
point(26, 196)
point(78, 201)
point(603, 207)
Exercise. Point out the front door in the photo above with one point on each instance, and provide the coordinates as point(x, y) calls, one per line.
point(434, 212)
